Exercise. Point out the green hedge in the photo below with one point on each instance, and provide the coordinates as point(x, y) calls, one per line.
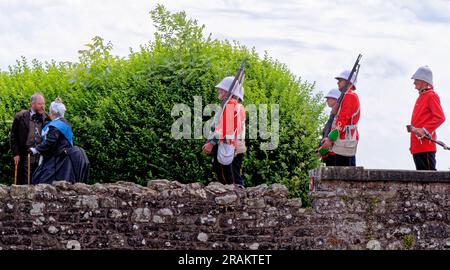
point(120, 108)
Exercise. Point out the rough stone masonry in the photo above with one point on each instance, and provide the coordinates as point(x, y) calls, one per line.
point(352, 208)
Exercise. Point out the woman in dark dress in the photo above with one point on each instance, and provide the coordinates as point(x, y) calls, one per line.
point(60, 160)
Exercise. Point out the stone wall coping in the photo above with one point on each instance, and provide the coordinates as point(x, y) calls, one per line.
point(375, 175)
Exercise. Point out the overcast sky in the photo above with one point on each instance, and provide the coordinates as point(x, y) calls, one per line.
point(315, 39)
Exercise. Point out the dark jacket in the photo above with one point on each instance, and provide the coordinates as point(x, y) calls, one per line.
point(19, 132)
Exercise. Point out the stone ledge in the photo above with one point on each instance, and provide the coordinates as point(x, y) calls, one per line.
point(371, 175)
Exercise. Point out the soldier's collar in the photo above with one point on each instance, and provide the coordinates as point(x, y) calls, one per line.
point(425, 90)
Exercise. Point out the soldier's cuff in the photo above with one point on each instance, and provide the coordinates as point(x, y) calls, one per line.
point(333, 135)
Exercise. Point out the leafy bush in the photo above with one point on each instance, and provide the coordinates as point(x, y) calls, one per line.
point(120, 108)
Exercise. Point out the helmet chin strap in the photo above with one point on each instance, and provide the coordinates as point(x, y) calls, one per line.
point(425, 89)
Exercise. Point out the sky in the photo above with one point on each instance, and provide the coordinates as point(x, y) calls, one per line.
point(315, 39)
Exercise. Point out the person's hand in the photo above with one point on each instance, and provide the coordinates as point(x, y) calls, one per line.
point(420, 133)
point(33, 151)
point(207, 148)
point(326, 143)
point(16, 159)
point(318, 153)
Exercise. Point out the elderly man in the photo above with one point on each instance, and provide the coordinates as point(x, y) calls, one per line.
point(26, 133)
point(426, 118)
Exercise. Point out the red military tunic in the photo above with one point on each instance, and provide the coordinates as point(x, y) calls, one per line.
point(348, 116)
point(232, 123)
point(427, 114)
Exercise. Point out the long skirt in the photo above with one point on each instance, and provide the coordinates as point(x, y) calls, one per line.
point(71, 165)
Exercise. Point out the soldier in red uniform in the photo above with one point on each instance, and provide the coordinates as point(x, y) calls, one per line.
point(331, 98)
point(426, 118)
point(230, 131)
point(346, 124)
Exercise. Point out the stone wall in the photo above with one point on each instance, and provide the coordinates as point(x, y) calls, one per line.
point(383, 209)
point(352, 208)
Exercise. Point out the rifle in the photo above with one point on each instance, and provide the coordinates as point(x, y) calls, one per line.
point(238, 78)
point(327, 129)
point(428, 137)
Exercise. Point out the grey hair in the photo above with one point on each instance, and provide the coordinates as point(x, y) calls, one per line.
point(34, 97)
point(57, 107)
point(58, 114)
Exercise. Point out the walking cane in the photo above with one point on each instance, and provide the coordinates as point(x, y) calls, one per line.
point(15, 172)
point(29, 182)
